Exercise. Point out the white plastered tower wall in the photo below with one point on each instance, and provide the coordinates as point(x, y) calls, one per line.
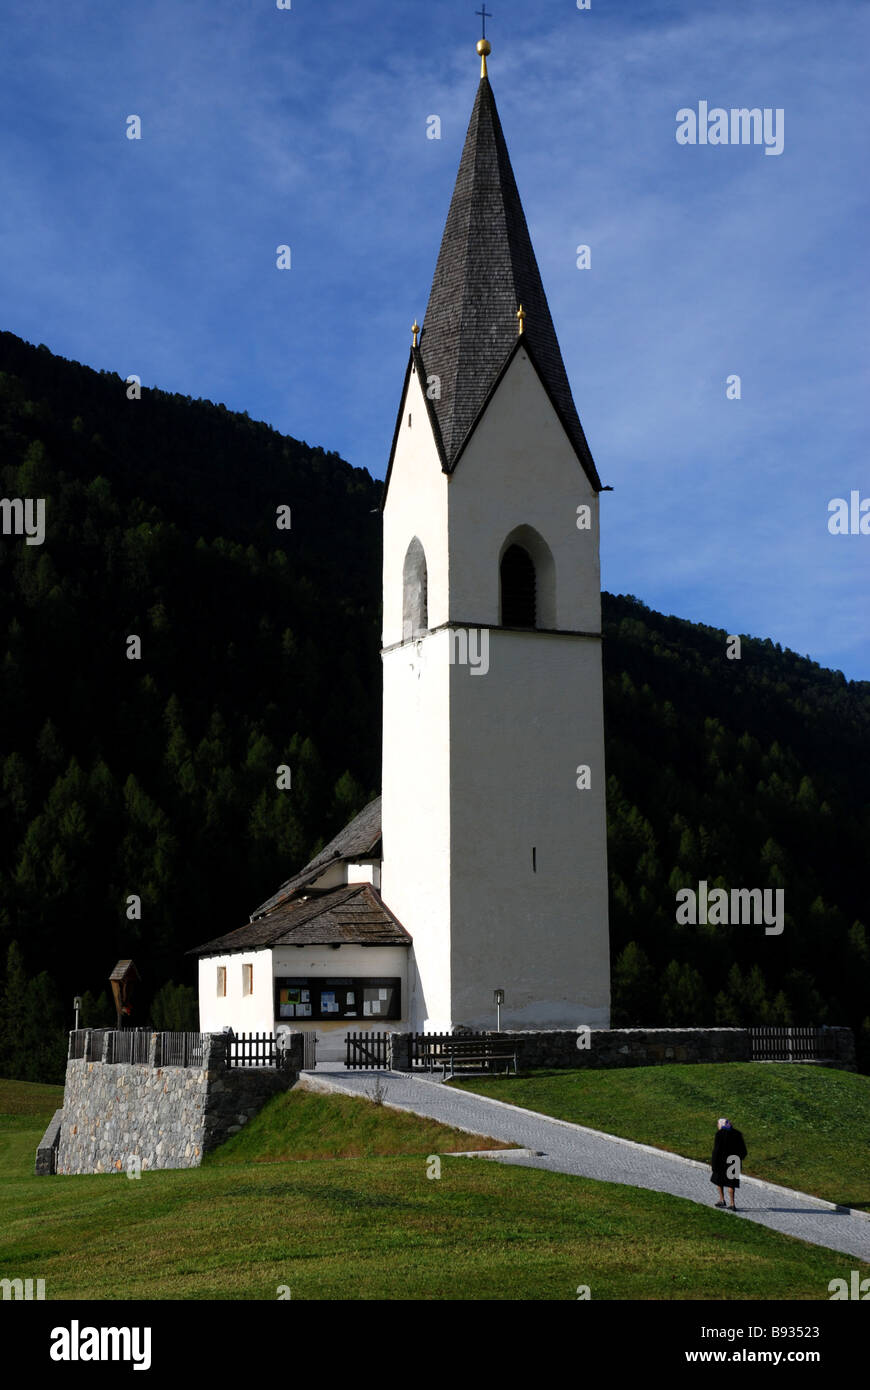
point(528, 848)
point(479, 770)
point(415, 875)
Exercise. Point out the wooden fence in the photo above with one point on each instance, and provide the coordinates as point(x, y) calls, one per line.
point(86, 1044)
point(370, 1051)
point(253, 1050)
point(178, 1050)
point(133, 1047)
point(430, 1050)
point(781, 1044)
point(367, 1051)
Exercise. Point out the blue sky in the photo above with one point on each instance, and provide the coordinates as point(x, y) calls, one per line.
point(307, 127)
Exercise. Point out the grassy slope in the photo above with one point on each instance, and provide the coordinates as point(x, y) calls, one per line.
point(302, 1124)
point(25, 1110)
point(379, 1229)
point(805, 1127)
point(29, 1098)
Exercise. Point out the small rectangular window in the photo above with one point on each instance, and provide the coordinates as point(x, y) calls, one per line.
point(222, 981)
point(247, 979)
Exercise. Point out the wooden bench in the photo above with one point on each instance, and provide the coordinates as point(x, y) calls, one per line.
point(475, 1052)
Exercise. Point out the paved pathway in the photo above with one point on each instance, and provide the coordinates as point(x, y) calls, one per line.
point(569, 1148)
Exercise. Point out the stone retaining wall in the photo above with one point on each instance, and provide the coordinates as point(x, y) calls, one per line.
point(46, 1154)
point(634, 1047)
point(117, 1117)
point(631, 1047)
point(843, 1053)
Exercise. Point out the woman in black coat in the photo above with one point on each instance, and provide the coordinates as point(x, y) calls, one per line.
point(729, 1150)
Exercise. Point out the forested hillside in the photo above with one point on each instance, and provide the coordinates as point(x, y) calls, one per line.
point(260, 646)
point(744, 773)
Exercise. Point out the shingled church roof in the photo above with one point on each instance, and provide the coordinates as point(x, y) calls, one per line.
point(360, 839)
point(486, 269)
point(354, 914)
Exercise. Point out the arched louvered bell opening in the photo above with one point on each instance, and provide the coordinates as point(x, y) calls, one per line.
point(415, 595)
point(518, 588)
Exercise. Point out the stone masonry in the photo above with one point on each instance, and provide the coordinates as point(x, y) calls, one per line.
point(163, 1117)
point(46, 1154)
point(630, 1047)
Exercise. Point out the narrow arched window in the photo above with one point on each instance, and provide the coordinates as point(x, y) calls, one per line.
point(415, 597)
point(518, 588)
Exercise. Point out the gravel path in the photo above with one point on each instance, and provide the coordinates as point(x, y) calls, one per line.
point(569, 1148)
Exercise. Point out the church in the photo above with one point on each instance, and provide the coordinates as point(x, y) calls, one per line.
point(481, 870)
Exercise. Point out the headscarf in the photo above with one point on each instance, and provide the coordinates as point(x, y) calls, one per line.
point(724, 1124)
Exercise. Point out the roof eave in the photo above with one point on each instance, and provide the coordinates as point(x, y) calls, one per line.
point(284, 936)
point(414, 360)
point(434, 422)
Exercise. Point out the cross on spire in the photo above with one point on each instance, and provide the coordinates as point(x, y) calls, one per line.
point(484, 47)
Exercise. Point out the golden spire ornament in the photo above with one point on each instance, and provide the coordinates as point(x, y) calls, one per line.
point(521, 315)
point(484, 47)
point(415, 329)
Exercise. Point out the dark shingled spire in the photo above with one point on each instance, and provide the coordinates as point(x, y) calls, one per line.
point(486, 269)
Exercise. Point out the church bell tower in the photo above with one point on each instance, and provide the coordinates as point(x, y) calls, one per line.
point(493, 814)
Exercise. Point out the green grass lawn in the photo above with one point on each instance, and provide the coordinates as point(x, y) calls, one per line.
point(25, 1110)
point(304, 1124)
point(805, 1127)
point(375, 1228)
point(28, 1098)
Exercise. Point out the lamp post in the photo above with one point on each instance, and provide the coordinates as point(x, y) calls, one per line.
point(498, 1000)
point(77, 1003)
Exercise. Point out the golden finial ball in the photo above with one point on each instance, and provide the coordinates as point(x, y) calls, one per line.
point(484, 47)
